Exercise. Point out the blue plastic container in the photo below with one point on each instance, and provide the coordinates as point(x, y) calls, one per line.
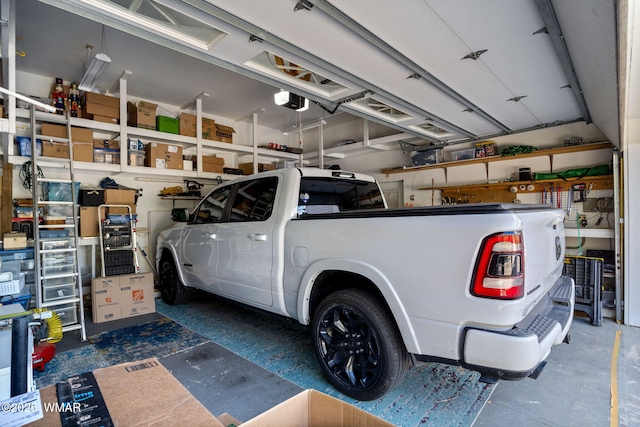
point(61, 191)
point(24, 146)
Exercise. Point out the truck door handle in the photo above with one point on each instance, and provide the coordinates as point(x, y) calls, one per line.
point(212, 236)
point(258, 237)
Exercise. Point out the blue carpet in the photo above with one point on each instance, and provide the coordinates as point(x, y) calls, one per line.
point(157, 338)
point(432, 394)
point(70, 362)
point(153, 339)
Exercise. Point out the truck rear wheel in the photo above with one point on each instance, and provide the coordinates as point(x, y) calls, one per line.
point(172, 290)
point(358, 345)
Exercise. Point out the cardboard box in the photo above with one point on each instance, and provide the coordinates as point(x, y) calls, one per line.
point(247, 168)
point(122, 210)
point(105, 298)
point(212, 164)
point(89, 223)
point(142, 115)
point(123, 296)
point(105, 143)
point(187, 124)
point(167, 124)
point(96, 98)
point(208, 128)
point(125, 391)
point(104, 119)
point(82, 151)
point(223, 134)
point(119, 197)
point(101, 110)
point(313, 408)
point(59, 131)
point(136, 294)
point(163, 156)
point(14, 240)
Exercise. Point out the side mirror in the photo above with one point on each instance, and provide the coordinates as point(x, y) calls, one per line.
point(180, 214)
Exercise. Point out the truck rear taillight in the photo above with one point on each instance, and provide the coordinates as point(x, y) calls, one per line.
point(500, 267)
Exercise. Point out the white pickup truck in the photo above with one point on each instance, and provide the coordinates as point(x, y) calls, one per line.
point(476, 285)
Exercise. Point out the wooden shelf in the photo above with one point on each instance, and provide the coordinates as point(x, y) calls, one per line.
point(486, 160)
point(500, 192)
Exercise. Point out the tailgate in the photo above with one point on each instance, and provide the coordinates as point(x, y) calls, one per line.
point(543, 235)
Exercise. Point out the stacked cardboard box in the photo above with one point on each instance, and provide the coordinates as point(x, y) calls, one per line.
point(120, 297)
point(101, 108)
point(163, 156)
point(142, 115)
point(224, 134)
point(82, 142)
point(247, 168)
point(212, 164)
point(188, 126)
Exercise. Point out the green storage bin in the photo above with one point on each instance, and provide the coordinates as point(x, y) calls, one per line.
point(167, 124)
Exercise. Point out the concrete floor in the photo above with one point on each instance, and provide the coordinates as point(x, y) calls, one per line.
point(575, 389)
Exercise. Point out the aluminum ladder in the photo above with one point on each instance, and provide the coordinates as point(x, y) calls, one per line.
point(58, 279)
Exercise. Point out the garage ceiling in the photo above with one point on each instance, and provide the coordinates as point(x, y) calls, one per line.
point(448, 71)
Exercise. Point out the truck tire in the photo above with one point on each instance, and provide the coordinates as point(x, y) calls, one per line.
point(358, 345)
point(173, 292)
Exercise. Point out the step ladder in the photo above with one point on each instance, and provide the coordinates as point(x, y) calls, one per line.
point(118, 244)
point(58, 279)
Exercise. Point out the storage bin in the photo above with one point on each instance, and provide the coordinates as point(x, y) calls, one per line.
point(25, 212)
point(14, 285)
point(8, 255)
point(60, 210)
point(92, 197)
point(59, 292)
point(22, 298)
point(58, 281)
point(61, 191)
point(426, 157)
point(14, 267)
point(58, 261)
point(58, 270)
point(49, 233)
point(24, 146)
point(167, 124)
point(463, 154)
point(106, 155)
point(48, 245)
point(68, 313)
point(136, 157)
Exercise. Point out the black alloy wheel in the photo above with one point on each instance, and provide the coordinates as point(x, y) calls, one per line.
point(172, 291)
point(357, 345)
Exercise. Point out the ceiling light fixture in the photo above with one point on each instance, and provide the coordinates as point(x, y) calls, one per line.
point(94, 70)
point(290, 100)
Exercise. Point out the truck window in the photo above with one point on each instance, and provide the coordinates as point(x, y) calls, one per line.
point(212, 207)
point(253, 200)
point(326, 195)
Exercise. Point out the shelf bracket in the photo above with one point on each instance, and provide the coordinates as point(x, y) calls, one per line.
point(246, 116)
point(115, 86)
point(193, 100)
